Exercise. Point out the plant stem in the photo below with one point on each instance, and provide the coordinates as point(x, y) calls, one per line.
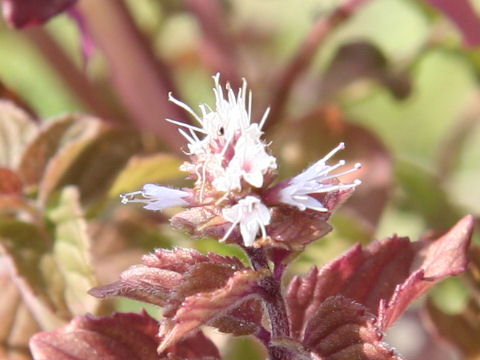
point(141, 81)
point(274, 302)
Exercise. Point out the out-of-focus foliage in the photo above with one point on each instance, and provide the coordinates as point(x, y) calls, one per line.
point(395, 81)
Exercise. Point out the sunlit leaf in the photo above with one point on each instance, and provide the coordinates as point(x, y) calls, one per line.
point(380, 277)
point(205, 308)
point(72, 251)
point(146, 169)
point(167, 277)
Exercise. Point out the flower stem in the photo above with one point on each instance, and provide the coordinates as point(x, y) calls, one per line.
point(274, 302)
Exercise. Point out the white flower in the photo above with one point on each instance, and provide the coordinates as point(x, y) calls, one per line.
point(314, 180)
point(249, 162)
point(226, 147)
point(252, 215)
point(157, 197)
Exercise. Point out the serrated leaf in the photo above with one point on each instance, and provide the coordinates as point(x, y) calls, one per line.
point(206, 308)
point(380, 275)
point(71, 251)
point(16, 130)
point(168, 276)
point(146, 169)
point(342, 329)
point(121, 337)
point(32, 12)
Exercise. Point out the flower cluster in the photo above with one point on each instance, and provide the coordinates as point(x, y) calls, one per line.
point(233, 172)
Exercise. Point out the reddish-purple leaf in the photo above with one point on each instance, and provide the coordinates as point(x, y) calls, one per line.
point(461, 329)
point(381, 275)
point(446, 256)
point(196, 346)
point(121, 337)
point(342, 329)
point(462, 13)
point(207, 308)
point(167, 277)
point(32, 12)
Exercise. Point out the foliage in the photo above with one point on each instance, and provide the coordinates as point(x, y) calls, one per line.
point(403, 98)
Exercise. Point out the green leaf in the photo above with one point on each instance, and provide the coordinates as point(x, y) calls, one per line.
point(71, 251)
point(146, 169)
point(27, 253)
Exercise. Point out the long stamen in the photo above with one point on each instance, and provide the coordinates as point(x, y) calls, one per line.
point(339, 147)
point(264, 118)
point(356, 167)
point(183, 106)
point(130, 197)
point(188, 126)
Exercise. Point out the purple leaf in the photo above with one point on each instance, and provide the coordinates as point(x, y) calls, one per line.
point(207, 308)
point(380, 275)
point(342, 329)
point(121, 337)
point(32, 12)
point(167, 277)
point(196, 346)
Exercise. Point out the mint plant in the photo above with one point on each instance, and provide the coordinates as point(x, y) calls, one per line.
point(339, 311)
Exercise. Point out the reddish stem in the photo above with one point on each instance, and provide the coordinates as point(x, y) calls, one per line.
point(304, 55)
point(71, 75)
point(141, 81)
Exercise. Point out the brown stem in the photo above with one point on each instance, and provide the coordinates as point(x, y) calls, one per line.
point(71, 75)
point(216, 49)
point(140, 80)
point(304, 55)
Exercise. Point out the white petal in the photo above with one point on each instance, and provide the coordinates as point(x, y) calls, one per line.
point(157, 197)
point(315, 180)
point(251, 214)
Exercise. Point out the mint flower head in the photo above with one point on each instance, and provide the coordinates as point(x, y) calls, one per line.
point(233, 198)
